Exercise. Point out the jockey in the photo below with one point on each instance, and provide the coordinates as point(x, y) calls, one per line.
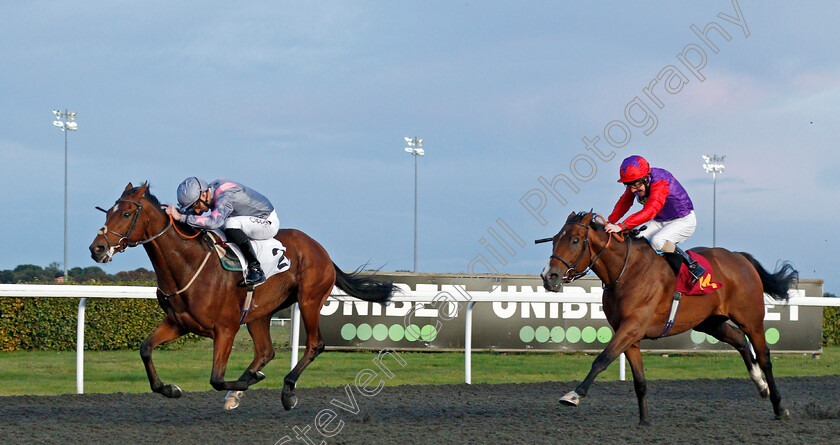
point(241, 212)
point(668, 211)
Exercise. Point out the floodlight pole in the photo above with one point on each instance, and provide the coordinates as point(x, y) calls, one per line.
point(415, 149)
point(714, 164)
point(65, 121)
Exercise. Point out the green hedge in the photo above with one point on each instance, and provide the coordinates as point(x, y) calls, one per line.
point(831, 326)
point(50, 323)
point(110, 323)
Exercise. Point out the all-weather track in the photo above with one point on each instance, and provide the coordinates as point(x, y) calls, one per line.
point(683, 411)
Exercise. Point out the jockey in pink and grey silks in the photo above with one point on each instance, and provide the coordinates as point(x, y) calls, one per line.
point(230, 199)
point(243, 214)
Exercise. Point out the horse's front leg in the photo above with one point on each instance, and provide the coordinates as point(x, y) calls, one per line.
point(634, 357)
point(263, 353)
point(626, 335)
point(167, 331)
point(222, 345)
point(260, 331)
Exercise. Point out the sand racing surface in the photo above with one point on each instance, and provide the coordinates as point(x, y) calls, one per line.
point(682, 411)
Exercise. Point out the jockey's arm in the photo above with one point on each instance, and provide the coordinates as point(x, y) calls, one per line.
point(214, 220)
point(621, 207)
point(659, 192)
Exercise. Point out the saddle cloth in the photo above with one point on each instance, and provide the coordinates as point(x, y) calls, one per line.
point(270, 253)
point(704, 285)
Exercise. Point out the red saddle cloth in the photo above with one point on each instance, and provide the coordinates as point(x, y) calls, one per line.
point(704, 285)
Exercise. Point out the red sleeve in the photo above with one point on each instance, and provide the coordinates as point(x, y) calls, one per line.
point(659, 191)
point(622, 206)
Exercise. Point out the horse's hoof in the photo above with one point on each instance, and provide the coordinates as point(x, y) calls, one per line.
point(571, 398)
point(289, 401)
point(785, 414)
point(260, 376)
point(232, 400)
point(172, 391)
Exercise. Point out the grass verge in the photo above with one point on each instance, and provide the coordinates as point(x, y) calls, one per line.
point(49, 372)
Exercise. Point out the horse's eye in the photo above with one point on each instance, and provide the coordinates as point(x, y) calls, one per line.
point(575, 240)
point(126, 214)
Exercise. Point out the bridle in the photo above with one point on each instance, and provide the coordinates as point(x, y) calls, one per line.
point(104, 231)
point(572, 272)
point(571, 268)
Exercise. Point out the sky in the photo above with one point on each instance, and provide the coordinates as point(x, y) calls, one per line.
point(309, 102)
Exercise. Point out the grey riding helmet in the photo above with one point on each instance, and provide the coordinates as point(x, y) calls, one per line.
point(189, 191)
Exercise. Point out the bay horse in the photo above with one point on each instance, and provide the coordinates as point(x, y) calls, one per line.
point(638, 291)
point(201, 297)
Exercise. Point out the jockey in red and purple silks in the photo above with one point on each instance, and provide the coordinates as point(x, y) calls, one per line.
point(667, 209)
point(242, 213)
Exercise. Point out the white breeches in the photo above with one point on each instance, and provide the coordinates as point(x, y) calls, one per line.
point(675, 230)
point(255, 228)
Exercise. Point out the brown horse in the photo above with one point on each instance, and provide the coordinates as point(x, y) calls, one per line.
point(198, 295)
point(638, 292)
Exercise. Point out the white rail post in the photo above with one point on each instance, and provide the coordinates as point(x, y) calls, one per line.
point(468, 344)
point(295, 334)
point(80, 348)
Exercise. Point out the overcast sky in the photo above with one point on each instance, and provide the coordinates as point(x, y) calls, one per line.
point(309, 104)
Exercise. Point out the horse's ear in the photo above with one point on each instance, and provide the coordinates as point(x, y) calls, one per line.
point(128, 187)
point(571, 215)
point(142, 190)
point(587, 219)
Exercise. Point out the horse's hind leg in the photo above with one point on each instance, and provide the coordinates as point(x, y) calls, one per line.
point(762, 354)
point(165, 332)
point(314, 346)
point(732, 335)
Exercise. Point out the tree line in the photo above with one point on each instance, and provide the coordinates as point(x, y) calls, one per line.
point(31, 273)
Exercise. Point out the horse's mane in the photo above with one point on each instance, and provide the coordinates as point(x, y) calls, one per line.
point(149, 197)
point(578, 217)
point(153, 200)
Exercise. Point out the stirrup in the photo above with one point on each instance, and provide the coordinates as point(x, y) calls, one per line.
point(255, 275)
point(697, 271)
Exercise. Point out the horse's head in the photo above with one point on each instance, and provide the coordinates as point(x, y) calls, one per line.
point(571, 251)
point(126, 223)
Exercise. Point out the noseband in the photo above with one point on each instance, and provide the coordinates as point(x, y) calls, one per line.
point(104, 231)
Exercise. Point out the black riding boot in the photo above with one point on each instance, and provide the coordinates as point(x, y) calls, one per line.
point(255, 273)
point(694, 267)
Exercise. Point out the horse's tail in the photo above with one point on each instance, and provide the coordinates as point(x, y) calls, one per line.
point(362, 287)
point(778, 283)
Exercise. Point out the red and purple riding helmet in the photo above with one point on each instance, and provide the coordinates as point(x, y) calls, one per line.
point(633, 168)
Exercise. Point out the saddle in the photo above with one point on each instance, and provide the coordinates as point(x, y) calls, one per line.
point(703, 286)
point(270, 253)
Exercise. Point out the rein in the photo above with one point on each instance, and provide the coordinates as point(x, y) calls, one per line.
point(172, 223)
